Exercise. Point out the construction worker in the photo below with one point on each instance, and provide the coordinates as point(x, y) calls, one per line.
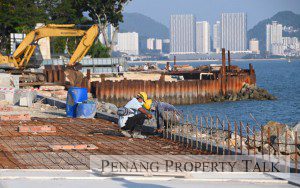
point(164, 113)
point(133, 115)
point(148, 104)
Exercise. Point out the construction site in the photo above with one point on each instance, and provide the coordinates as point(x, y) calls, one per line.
point(36, 132)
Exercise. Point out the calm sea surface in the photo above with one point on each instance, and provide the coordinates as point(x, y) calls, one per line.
point(279, 77)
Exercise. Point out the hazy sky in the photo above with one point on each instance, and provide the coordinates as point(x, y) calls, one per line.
point(210, 10)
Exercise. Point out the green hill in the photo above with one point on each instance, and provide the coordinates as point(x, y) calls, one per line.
point(145, 26)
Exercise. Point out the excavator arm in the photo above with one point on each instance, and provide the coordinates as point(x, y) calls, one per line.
point(85, 44)
point(25, 50)
point(73, 75)
point(23, 53)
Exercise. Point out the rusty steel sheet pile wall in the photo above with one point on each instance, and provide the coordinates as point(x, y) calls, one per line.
point(176, 92)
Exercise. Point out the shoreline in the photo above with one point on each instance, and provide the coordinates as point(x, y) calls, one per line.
point(197, 61)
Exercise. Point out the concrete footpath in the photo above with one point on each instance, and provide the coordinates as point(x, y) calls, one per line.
point(88, 178)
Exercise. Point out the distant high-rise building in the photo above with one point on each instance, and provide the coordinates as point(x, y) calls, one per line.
point(166, 46)
point(15, 41)
point(202, 37)
point(234, 31)
point(182, 30)
point(151, 44)
point(128, 43)
point(154, 44)
point(277, 49)
point(217, 36)
point(273, 37)
point(159, 44)
point(254, 46)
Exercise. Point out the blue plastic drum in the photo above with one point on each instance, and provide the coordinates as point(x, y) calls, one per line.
point(75, 95)
point(86, 109)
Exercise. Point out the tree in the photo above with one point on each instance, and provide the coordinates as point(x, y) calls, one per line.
point(21, 16)
point(63, 12)
point(18, 16)
point(105, 12)
point(98, 50)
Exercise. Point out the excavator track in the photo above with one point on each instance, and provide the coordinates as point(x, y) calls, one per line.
point(28, 78)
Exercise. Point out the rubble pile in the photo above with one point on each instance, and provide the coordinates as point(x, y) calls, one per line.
point(248, 92)
point(279, 143)
point(58, 92)
point(254, 92)
point(107, 108)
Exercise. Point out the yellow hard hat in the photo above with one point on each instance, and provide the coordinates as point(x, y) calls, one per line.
point(143, 95)
point(147, 104)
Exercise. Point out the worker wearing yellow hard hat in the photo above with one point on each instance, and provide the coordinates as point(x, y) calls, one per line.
point(148, 104)
point(164, 113)
point(133, 115)
point(143, 95)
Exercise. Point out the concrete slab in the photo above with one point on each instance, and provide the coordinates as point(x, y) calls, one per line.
point(10, 95)
point(9, 81)
point(27, 98)
point(78, 178)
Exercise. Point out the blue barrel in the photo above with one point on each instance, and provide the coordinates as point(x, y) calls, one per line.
point(87, 109)
point(75, 95)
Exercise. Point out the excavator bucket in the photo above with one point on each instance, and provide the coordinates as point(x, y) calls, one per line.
point(74, 77)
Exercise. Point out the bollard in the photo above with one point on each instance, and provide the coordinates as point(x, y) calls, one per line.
point(241, 136)
point(254, 132)
point(201, 127)
point(248, 138)
point(206, 131)
point(277, 131)
point(269, 141)
point(166, 128)
point(171, 130)
point(228, 137)
point(286, 140)
point(223, 143)
point(211, 136)
point(196, 126)
point(296, 152)
point(262, 139)
point(186, 136)
point(217, 129)
point(235, 138)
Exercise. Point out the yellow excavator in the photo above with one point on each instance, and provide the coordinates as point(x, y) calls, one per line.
point(21, 56)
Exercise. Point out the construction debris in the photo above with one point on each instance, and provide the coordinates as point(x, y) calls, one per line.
point(9, 81)
point(107, 107)
point(74, 147)
point(6, 108)
point(37, 129)
point(52, 88)
point(15, 117)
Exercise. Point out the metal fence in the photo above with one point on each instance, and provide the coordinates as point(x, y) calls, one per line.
point(225, 137)
point(96, 65)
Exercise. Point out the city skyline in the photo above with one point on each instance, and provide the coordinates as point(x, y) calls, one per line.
point(189, 36)
point(256, 10)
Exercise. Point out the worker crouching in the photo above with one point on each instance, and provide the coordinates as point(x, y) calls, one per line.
point(133, 115)
point(165, 114)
